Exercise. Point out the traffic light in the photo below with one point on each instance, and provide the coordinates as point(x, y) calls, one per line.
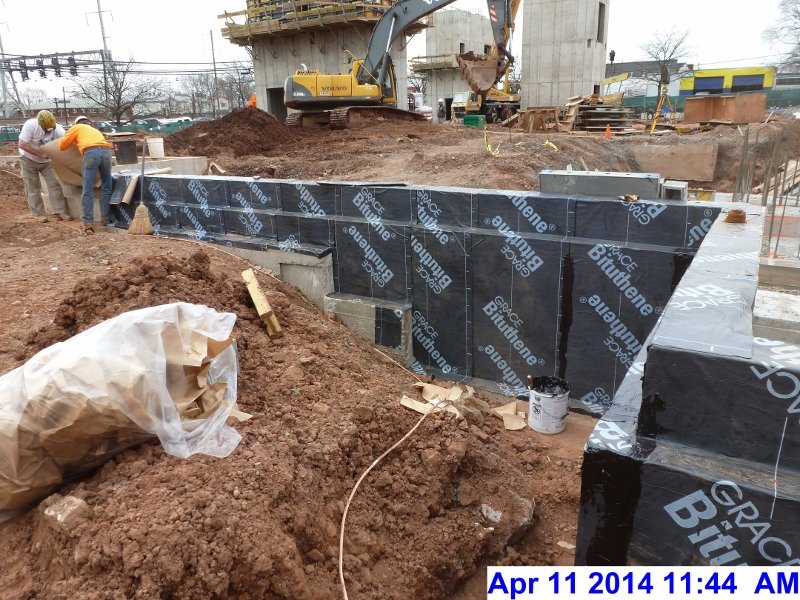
point(73, 67)
point(40, 66)
point(23, 69)
point(56, 66)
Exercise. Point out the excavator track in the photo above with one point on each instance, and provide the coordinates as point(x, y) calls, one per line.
point(345, 116)
point(293, 120)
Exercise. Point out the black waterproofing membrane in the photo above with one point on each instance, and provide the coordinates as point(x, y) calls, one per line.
point(697, 460)
point(502, 284)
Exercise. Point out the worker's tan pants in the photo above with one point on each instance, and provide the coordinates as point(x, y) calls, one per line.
point(33, 188)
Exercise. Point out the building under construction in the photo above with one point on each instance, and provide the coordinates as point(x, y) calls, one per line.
point(324, 36)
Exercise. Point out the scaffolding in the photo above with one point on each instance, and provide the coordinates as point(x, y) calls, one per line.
point(290, 17)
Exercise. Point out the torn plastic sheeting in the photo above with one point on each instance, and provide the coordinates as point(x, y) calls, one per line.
point(253, 193)
point(77, 403)
point(375, 203)
point(373, 259)
point(515, 317)
point(442, 313)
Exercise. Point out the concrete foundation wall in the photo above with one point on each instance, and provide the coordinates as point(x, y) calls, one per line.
point(562, 53)
point(274, 59)
point(452, 29)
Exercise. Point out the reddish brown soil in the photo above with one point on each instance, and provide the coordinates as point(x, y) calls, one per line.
point(242, 132)
point(263, 523)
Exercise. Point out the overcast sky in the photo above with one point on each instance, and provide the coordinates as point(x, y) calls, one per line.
point(722, 32)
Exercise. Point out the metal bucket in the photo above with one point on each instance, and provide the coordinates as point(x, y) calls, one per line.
point(548, 405)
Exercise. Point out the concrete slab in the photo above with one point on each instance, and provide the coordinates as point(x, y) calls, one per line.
point(776, 315)
point(688, 162)
point(311, 275)
point(599, 183)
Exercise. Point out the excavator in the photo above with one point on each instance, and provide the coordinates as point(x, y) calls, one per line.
point(370, 90)
point(495, 104)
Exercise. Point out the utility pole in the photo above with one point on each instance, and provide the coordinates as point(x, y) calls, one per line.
point(215, 99)
point(64, 95)
point(3, 77)
point(105, 49)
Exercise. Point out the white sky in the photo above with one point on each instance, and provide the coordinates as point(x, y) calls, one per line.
point(722, 32)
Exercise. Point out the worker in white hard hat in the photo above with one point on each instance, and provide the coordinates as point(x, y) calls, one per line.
point(34, 134)
point(96, 152)
point(442, 110)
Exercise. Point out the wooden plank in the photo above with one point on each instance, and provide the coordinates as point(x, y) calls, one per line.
point(262, 305)
point(686, 162)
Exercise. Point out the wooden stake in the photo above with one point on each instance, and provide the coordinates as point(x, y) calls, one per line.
point(262, 304)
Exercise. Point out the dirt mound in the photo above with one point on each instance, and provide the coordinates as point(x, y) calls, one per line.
point(242, 132)
point(263, 523)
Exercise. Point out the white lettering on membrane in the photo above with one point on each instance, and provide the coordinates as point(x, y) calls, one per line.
point(644, 213)
point(200, 194)
point(698, 232)
point(529, 214)
point(509, 376)
point(160, 196)
point(703, 296)
point(517, 250)
point(780, 381)
point(509, 323)
point(426, 335)
point(373, 264)
point(307, 204)
point(428, 213)
point(618, 268)
point(372, 210)
point(199, 231)
point(739, 518)
point(608, 434)
point(248, 217)
point(429, 269)
point(258, 193)
point(624, 350)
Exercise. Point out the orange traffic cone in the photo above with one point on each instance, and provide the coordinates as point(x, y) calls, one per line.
point(608, 131)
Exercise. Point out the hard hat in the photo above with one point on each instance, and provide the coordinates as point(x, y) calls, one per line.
point(441, 101)
point(46, 119)
point(81, 118)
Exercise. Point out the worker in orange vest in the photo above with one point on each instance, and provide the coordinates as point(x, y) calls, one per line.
point(252, 102)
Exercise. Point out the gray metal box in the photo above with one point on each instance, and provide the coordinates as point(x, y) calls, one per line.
point(598, 183)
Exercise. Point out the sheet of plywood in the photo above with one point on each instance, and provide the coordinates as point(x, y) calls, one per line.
point(686, 162)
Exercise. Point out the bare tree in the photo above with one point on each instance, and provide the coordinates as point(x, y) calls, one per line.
point(28, 96)
point(236, 84)
point(419, 81)
point(667, 49)
point(122, 92)
point(787, 31)
point(200, 91)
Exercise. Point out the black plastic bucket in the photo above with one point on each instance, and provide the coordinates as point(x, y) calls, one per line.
point(125, 152)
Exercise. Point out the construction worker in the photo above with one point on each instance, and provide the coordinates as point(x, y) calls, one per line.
point(252, 102)
point(441, 112)
point(96, 152)
point(33, 162)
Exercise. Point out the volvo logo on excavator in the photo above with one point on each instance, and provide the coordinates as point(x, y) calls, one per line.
point(333, 88)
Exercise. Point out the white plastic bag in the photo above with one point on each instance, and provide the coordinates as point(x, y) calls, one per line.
point(166, 371)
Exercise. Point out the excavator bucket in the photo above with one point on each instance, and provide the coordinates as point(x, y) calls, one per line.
point(481, 73)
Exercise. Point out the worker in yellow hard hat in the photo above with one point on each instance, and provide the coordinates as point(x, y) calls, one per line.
point(33, 162)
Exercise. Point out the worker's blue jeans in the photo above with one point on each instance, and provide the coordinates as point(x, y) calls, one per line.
point(96, 159)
